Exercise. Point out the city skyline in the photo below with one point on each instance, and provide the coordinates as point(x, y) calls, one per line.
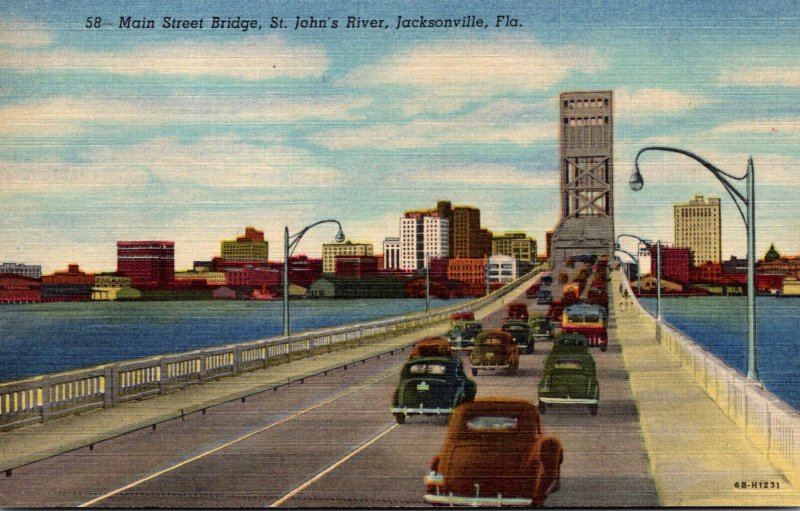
point(110, 136)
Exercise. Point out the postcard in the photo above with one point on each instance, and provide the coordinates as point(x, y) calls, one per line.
point(382, 253)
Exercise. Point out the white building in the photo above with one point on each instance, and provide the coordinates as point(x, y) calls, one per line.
point(502, 268)
point(422, 237)
point(391, 253)
point(33, 271)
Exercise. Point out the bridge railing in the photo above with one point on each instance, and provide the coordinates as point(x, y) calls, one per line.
point(765, 419)
point(40, 398)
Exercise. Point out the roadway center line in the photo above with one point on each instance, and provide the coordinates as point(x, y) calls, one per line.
point(234, 441)
point(332, 467)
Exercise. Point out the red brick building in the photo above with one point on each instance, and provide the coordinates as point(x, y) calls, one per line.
point(355, 266)
point(19, 289)
point(252, 276)
point(675, 263)
point(147, 263)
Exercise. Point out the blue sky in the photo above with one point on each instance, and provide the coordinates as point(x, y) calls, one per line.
point(189, 135)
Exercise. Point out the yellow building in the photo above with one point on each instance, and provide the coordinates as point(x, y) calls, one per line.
point(698, 227)
point(250, 247)
point(211, 277)
point(331, 250)
point(516, 245)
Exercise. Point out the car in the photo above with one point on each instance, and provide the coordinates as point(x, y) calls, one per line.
point(533, 290)
point(518, 311)
point(462, 334)
point(544, 296)
point(521, 333)
point(431, 386)
point(495, 453)
point(547, 279)
point(589, 320)
point(541, 328)
point(569, 376)
point(436, 346)
point(462, 316)
point(494, 349)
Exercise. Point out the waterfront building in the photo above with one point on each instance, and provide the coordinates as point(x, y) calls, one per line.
point(147, 263)
point(200, 277)
point(774, 262)
point(331, 250)
point(698, 226)
point(515, 244)
point(675, 263)
point(203, 266)
point(250, 247)
point(252, 277)
point(303, 270)
point(422, 237)
point(471, 272)
point(115, 293)
point(379, 286)
point(111, 280)
point(391, 253)
point(72, 275)
point(220, 264)
point(709, 273)
point(19, 289)
point(33, 271)
point(356, 266)
point(502, 268)
point(586, 171)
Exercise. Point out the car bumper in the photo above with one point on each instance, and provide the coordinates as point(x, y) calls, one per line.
point(462, 501)
point(569, 400)
point(494, 366)
point(421, 410)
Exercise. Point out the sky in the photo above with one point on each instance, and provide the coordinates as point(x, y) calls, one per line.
point(190, 135)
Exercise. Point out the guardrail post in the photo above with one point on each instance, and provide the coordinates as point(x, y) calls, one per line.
point(109, 375)
point(162, 376)
point(45, 398)
point(201, 376)
point(237, 353)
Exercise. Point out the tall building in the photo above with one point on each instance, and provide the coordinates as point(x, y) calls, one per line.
point(250, 247)
point(331, 250)
point(675, 263)
point(466, 233)
point(698, 227)
point(421, 238)
point(33, 271)
point(147, 263)
point(515, 244)
point(391, 253)
point(586, 143)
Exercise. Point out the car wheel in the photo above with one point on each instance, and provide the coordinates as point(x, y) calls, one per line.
point(593, 409)
point(474, 372)
point(542, 407)
point(603, 348)
point(400, 418)
point(529, 351)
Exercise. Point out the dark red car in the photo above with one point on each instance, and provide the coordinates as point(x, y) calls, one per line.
point(495, 454)
point(518, 311)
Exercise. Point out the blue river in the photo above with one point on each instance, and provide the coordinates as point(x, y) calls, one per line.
point(51, 337)
point(719, 325)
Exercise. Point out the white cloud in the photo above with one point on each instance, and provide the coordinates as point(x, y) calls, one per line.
point(491, 175)
point(645, 103)
point(785, 76)
point(479, 67)
point(66, 115)
point(20, 33)
point(55, 177)
point(775, 127)
point(249, 58)
point(501, 122)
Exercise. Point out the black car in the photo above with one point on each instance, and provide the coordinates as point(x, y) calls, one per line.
point(431, 386)
point(462, 334)
point(544, 296)
point(521, 333)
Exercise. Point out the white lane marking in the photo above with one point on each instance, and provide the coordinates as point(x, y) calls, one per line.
point(234, 441)
point(332, 467)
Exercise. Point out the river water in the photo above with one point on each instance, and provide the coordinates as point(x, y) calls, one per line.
point(719, 324)
point(50, 337)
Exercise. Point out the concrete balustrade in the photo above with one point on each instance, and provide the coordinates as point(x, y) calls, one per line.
point(765, 420)
point(41, 398)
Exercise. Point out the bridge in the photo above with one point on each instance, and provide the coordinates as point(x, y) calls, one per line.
point(675, 427)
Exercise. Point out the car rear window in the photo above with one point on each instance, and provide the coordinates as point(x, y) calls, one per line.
point(492, 423)
point(427, 369)
point(568, 363)
point(493, 340)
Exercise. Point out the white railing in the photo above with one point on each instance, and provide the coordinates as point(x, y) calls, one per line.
point(44, 397)
point(765, 419)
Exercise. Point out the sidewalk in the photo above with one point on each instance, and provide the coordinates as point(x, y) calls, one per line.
point(697, 454)
point(33, 443)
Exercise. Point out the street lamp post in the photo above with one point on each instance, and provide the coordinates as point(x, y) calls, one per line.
point(628, 268)
point(748, 214)
point(289, 244)
point(427, 282)
point(640, 242)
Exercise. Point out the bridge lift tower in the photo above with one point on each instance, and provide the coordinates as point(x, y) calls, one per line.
point(586, 161)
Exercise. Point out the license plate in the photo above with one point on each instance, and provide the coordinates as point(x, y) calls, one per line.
point(423, 386)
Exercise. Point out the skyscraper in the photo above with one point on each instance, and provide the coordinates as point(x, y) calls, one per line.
point(250, 247)
point(466, 232)
point(586, 143)
point(422, 236)
point(698, 226)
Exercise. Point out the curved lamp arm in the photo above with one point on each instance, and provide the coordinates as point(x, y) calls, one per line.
point(636, 182)
point(294, 239)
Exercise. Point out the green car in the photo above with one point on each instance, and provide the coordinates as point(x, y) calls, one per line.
point(541, 328)
point(569, 375)
point(462, 334)
point(521, 333)
point(431, 386)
